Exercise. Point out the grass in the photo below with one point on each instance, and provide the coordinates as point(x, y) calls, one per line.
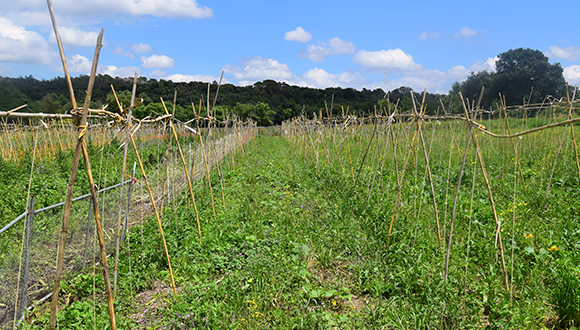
point(293, 250)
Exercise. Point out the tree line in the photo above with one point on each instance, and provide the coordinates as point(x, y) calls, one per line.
point(522, 75)
point(268, 102)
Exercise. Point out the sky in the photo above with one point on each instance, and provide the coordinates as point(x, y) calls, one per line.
point(358, 44)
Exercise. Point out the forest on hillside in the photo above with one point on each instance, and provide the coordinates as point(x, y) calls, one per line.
point(268, 102)
point(522, 75)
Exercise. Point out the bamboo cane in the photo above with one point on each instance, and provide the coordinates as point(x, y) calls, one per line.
point(212, 140)
point(555, 161)
point(512, 142)
point(420, 113)
point(572, 127)
point(411, 147)
point(206, 163)
point(80, 147)
point(186, 173)
point(490, 195)
point(364, 157)
point(123, 170)
point(452, 221)
point(156, 212)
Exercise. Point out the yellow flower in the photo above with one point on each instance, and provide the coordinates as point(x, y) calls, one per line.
point(251, 280)
point(333, 303)
point(553, 248)
point(530, 236)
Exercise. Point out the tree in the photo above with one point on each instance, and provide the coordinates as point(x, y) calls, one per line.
point(471, 89)
point(520, 70)
point(124, 98)
point(263, 114)
point(50, 104)
point(518, 73)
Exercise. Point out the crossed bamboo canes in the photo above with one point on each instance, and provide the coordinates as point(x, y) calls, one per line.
point(80, 148)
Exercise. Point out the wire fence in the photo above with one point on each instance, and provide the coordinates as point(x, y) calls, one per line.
point(29, 242)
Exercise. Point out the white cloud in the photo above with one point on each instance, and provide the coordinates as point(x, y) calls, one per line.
point(319, 78)
point(157, 61)
point(137, 48)
point(141, 48)
point(82, 13)
point(5, 70)
point(22, 46)
point(123, 72)
point(259, 68)
point(465, 32)
point(75, 37)
point(121, 51)
point(436, 80)
point(99, 8)
point(25, 17)
point(428, 35)
point(189, 78)
point(298, 34)
point(433, 80)
point(572, 74)
point(418, 84)
point(569, 53)
point(487, 65)
point(334, 46)
point(491, 62)
point(388, 59)
point(79, 63)
point(457, 72)
point(158, 74)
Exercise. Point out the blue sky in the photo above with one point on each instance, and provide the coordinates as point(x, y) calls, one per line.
point(420, 44)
